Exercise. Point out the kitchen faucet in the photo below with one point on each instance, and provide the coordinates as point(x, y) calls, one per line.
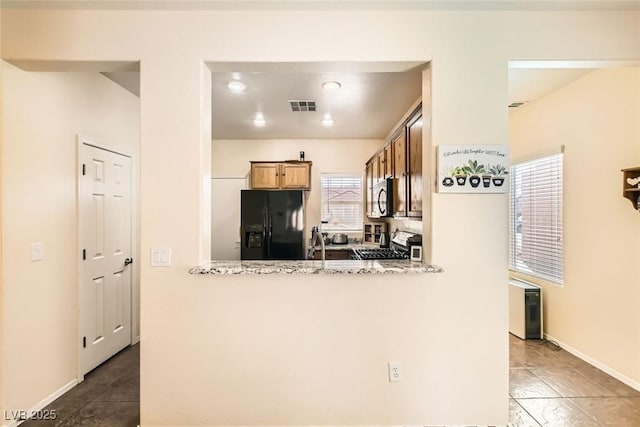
point(313, 245)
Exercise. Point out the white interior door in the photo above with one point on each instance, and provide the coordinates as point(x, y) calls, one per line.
point(104, 197)
point(225, 217)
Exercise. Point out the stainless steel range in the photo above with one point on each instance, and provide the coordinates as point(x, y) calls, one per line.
point(399, 249)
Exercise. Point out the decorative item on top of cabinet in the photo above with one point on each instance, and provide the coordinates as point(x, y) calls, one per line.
point(631, 186)
point(287, 175)
point(372, 231)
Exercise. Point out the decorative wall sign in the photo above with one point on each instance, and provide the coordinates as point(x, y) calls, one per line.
point(473, 168)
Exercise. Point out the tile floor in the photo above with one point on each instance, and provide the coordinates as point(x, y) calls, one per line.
point(109, 396)
point(551, 387)
point(548, 387)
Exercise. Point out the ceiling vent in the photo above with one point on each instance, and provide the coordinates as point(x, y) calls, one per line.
point(517, 104)
point(302, 105)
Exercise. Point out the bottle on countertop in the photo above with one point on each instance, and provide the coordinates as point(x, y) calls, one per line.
point(384, 240)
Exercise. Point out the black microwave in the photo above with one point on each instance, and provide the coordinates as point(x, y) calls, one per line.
point(383, 199)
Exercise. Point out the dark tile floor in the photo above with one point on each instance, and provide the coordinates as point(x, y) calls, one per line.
point(109, 396)
point(551, 387)
point(548, 387)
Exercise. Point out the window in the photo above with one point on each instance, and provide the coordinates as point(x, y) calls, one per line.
point(341, 202)
point(535, 218)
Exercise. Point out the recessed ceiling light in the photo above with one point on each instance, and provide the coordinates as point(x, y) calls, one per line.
point(236, 86)
point(327, 121)
point(331, 85)
point(259, 121)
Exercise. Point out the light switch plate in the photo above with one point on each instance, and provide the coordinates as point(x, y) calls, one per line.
point(160, 257)
point(37, 251)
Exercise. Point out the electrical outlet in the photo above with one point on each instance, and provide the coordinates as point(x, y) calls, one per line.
point(395, 372)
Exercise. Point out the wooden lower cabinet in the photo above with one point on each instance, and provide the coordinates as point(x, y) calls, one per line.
point(333, 254)
point(281, 175)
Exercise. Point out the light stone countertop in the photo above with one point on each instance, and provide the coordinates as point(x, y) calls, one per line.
point(315, 267)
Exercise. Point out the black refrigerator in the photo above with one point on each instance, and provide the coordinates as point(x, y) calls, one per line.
point(272, 224)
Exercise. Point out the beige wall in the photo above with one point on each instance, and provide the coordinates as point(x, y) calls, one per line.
point(597, 118)
point(449, 329)
point(231, 159)
point(43, 112)
point(1, 234)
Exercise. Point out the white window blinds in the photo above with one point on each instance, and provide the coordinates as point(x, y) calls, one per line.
point(535, 218)
point(341, 201)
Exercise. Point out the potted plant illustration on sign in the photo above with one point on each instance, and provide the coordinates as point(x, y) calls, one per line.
point(498, 172)
point(447, 173)
point(475, 170)
point(460, 174)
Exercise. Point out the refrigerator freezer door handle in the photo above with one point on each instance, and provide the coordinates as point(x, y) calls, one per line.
point(267, 235)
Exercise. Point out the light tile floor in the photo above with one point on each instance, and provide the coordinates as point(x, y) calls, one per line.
point(551, 387)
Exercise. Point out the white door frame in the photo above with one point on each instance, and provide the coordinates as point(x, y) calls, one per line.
point(135, 253)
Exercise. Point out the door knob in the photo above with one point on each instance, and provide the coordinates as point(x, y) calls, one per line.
point(128, 261)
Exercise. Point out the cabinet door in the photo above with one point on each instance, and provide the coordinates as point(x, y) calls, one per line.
point(295, 176)
point(381, 166)
point(265, 175)
point(388, 161)
point(376, 169)
point(414, 165)
point(400, 173)
point(368, 202)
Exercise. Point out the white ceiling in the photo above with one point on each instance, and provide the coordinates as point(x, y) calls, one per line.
point(367, 106)
point(528, 84)
point(372, 99)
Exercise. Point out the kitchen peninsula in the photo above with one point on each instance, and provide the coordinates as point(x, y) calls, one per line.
point(315, 267)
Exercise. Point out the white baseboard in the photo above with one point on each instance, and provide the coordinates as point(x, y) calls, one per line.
point(136, 340)
point(615, 374)
point(44, 402)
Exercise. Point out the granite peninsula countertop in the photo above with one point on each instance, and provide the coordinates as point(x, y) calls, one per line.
point(315, 267)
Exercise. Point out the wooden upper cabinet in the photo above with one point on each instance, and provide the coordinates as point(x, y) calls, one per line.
point(295, 175)
point(388, 161)
point(400, 154)
point(414, 164)
point(381, 166)
point(265, 175)
point(281, 175)
point(369, 188)
point(401, 158)
point(399, 144)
